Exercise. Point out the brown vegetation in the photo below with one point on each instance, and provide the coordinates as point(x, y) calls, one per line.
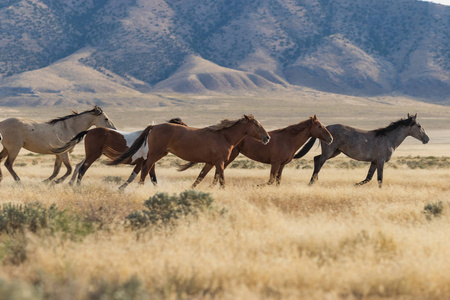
point(329, 241)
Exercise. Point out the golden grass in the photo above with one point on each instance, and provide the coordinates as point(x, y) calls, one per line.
point(329, 241)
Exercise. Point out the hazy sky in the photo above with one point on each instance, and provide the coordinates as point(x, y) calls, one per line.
point(445, 2)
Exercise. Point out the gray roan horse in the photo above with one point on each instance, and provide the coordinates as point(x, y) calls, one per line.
point(39, 137)
point(375, 146)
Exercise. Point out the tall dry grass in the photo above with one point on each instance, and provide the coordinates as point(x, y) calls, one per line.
point(329, 241)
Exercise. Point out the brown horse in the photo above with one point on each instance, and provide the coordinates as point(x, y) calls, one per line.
point(283, 144)
point(110, 143)
point(38, 137)
point(211, 145)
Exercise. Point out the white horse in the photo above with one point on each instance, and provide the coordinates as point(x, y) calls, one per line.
point(39, 137)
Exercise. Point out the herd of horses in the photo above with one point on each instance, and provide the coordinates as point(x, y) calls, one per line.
point(215, 146)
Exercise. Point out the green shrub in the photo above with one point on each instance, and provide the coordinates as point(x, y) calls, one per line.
point(16, 218)
point(113, 179)
point(19, 291)
point(129, 290)
point(163, 209)
point(13, 250)
point(433, 209)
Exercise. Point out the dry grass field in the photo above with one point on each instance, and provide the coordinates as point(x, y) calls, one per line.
point(328, 241)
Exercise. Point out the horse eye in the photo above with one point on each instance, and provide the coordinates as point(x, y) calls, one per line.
point(106, 119)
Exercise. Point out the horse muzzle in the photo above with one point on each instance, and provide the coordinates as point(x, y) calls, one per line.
point(266, 140)
point(425, 140)
point(329, 140)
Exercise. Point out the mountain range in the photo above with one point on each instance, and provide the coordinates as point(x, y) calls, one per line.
point(63, 51)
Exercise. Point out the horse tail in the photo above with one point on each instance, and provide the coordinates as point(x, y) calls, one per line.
point(70, 144)
point(137, 144)
point(305, 148)
point(186, 166)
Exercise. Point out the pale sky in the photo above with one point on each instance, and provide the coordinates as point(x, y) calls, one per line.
point(445, 2)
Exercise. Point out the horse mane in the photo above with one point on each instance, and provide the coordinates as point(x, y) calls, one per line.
point(95, 111)
point(224, 124)
point(295, 128)
point(394, 125)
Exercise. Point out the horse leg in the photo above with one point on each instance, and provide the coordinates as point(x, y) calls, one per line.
point(203, 173)
point(3, 154)
point(280, 171)
point(133, 175)
point(220, 167)
point(10, 161)
point(233, 155)
point(380, 166)
point(56, 169)
point(149, 163)
point(273, 173)
point(75, 173)
point(216, 178)
point(66, 160)
point(87, 162)
point(319, 160)
point(372, 169)
point(153, 175)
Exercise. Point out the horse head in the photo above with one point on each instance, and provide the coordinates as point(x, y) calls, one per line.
point(319, 131)
point(256, 130)
point(417, 131)
point(101, 119)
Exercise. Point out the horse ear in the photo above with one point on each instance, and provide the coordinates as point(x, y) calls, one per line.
point(408, 116)
point(97, 110)
point(315, 118)
point(415, 117)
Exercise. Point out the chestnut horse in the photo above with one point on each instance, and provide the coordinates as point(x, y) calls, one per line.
point(211, 145)
point(110, 143)
point(279, 151)
point(375, 146)
point(38, 137)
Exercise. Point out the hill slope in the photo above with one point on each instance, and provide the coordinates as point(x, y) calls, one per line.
point(356, 47)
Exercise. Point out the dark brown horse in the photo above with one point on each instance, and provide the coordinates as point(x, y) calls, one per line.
point(110, 143)
point(375, 146)
point(211, 145)
point(279, 151)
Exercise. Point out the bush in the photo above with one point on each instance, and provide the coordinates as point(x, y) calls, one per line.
point(433, 210)
point(163, 209)
point(113, 179)
point(129, 290)
point(16, 218)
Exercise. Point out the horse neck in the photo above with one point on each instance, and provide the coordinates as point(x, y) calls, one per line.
point(303, 132)
point(74, 125)
point(235, 133)
point(397, 136)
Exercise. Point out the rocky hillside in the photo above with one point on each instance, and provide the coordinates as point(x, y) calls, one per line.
point(355, 47)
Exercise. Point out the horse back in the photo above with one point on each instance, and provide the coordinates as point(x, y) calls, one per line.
point(106, 141)
point(356, 143)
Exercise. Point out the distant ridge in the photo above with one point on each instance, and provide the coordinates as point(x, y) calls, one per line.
point(121, 49)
